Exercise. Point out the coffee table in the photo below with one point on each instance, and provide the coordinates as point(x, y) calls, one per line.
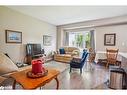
point(29, 83)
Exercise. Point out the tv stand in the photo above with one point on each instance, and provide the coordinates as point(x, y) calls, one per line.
point(46, 58)
point(37, 56)
point(33, 50)
point(29, 58)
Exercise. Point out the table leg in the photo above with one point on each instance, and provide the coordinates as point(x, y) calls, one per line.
point(57, 81)
point(40, 88)
point(14, 84)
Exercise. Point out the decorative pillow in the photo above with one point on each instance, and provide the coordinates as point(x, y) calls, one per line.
point(62, 51)
point(6, 65)
point(75, 52)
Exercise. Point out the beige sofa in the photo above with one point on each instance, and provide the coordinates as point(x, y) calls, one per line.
point(67, 57)
point(8, 67)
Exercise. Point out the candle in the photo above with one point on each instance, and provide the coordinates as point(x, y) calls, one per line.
point(42, 61)
point(37, 66)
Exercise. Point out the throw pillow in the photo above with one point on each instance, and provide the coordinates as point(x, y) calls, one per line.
point(62, 51)
point(6, 65)
point(75, 52)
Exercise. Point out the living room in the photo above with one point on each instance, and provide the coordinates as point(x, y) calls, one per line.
point(32, 27)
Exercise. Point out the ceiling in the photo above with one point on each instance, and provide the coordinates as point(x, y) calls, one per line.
point(59, 15)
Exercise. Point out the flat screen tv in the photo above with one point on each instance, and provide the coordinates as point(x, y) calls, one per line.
point(34, 49)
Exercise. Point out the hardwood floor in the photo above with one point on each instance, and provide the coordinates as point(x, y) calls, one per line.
point(88, 80)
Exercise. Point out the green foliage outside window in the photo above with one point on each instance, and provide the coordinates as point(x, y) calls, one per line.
point(87, 40)
point(81, 40)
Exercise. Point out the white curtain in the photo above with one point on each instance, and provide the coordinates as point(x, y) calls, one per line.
point(92, 39)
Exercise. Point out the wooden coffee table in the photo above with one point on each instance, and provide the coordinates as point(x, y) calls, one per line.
point(29, 83)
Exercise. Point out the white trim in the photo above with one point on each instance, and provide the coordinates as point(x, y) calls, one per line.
point(123, 54)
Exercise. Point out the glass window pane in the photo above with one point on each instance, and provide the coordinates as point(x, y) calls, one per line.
point(79, 39)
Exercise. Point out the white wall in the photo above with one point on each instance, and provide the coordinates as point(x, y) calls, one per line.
point(116, 25)
point(32, 32)
point(121, 37)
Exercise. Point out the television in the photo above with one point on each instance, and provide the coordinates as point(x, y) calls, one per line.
point(34, 49)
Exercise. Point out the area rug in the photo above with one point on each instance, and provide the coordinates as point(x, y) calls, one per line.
point(57, 65)
point(51, 64)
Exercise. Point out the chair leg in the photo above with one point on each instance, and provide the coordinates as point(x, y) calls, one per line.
point(80, 70)
point(70, 69)
point(106, 65)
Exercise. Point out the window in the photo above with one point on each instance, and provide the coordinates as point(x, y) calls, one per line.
point(79, 39)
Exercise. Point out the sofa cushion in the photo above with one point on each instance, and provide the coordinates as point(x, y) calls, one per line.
point(62, 51)
point(71, 49)
point(65, 48)
point(63, 55)
point(75, 52)
point(6, 65)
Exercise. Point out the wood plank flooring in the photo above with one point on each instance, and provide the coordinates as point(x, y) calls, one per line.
point(88, 80)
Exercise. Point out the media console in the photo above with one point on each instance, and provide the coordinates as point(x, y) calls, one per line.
point(29, 58)
point(33, 51)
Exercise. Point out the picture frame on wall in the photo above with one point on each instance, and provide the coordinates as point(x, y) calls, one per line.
point(12, 36)
point(110, 39)
point(47, 40)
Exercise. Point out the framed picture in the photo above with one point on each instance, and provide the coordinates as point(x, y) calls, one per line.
point(13, 36)
point(110, 39)
point(47, 40)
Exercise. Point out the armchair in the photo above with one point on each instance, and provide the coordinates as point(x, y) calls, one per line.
point(91, 59)
point(111, 56)
point(79, 63)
